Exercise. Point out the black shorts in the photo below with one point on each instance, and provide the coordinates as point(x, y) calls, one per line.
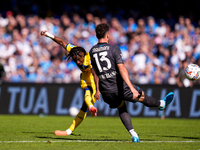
point(115, 99)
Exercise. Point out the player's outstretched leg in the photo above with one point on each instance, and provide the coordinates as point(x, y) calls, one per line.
point(150, 101)
point(167, 100)
point(76, 122)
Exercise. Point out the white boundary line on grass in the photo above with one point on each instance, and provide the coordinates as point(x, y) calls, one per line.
point(64, 141)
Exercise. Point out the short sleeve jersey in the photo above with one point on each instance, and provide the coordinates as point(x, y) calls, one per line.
point(104, 59)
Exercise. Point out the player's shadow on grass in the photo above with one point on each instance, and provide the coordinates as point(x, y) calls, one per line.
point(183, 137)
point(38, 132)
point(71, 139)
point(147, 139)
point(58, 136)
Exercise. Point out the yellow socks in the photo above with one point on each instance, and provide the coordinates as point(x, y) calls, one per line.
point(81, 115)
point(89, 102)
point(78, 119)
point(88, 98)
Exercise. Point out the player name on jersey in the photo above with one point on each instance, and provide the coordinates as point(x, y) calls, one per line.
point(102, 48)
point(108, 75)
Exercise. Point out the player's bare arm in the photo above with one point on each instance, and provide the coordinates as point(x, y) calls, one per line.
point(54, 38)
point(96, 80)
point(124, 73)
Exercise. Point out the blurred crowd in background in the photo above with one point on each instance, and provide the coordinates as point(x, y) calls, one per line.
point(155, 50)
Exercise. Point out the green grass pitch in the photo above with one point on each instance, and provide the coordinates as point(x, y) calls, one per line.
point(100, 133)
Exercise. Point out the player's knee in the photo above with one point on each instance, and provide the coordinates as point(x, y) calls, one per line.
point(142, 96)
point(87, 92)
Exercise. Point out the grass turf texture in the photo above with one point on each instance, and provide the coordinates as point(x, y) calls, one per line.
point(97, 133)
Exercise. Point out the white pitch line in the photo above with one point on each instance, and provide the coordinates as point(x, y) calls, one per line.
point(85, 141)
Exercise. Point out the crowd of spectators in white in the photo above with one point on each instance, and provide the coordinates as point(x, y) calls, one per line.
point(153, 52)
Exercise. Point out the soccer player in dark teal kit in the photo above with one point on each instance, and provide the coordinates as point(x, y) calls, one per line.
point(114, 83)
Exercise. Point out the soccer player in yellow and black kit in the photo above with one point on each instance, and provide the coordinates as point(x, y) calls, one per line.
point(82, 60)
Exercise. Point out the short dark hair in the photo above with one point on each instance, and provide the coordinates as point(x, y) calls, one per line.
point(101, 30)
point(75, 51)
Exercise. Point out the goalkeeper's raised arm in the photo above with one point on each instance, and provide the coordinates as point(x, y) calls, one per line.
point(54, 38)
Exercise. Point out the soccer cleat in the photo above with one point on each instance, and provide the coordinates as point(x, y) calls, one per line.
point(168, 99)
point(93, 111)
point(135, 139)
point(60, 133)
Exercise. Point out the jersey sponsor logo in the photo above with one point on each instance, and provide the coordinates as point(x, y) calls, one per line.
point(108, 75)
point(103, 48)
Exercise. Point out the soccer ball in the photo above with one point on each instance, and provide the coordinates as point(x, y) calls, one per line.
point(73, 111)
point(192, 72)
